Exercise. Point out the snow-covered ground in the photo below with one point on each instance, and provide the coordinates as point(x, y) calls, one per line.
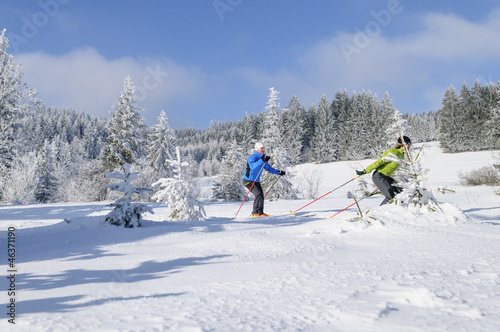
point(404, 272)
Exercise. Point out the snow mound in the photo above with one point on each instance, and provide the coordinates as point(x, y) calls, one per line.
point(450, 214)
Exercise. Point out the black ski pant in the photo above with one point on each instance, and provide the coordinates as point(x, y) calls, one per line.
point(386, 186)
point(258, 203)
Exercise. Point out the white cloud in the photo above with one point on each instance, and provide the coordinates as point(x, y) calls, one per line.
point(84, 80)
point(411, 67)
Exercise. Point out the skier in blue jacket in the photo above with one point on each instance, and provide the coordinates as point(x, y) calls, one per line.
point(251, 179)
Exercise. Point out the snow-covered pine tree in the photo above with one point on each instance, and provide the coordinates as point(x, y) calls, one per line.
point(228, 182)
point(362, 125)
point(345, 123)
point(126, 212)
point(19, 184)
point(325, 142)
point(415, 194)
point(309, 124)
point(292, 128)
point(493, 128)
point(46, 188)
point(15, 97)
point(179, 194)
point(162, 147)
point(397, 128)
point(465, 108)
point(246, 133)
point(479, 103)
point(383, 120)
point(271, 137)
point(126, 140)
point(448, 126)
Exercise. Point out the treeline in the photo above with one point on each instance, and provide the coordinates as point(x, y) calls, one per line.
point(470, 119)
point(348, 127)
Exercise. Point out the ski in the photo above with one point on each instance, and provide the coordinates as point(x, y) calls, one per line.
point(302, 214)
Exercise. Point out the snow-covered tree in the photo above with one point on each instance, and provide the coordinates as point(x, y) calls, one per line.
point(415, 194)
point(397, 128)
point(345, 124)
point(309, 124)
point(88, 183)
point(179, 194)
point(20, 180)
point(162, 147)
point(448, 126)
point(324, 142)
point(271, 137)
point(292, 128)
point(126, 212)
point(383, 119)
point(228, 184)
point(126, 141)
point(15, 97)
point(47, 183)
point(246, 133)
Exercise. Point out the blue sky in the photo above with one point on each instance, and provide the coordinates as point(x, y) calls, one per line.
point(202, 60)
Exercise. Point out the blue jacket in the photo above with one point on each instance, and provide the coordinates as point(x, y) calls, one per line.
point(254, 165)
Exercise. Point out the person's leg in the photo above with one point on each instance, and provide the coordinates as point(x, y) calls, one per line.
point(258, 204)
point(384, 184)
point(393, 190)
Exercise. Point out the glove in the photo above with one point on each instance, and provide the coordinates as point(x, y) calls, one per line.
point(265, 158)
point(282, 172)
point(361, 172)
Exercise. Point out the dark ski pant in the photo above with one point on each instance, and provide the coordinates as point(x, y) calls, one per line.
point(258, 203)
point(386, 186)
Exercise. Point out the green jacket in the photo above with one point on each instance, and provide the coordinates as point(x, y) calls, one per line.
point(385, 167)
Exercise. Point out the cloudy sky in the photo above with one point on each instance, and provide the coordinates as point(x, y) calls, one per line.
point(202, 60)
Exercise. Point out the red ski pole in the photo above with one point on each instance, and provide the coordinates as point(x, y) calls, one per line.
point(249, 190)
point(331, 191)
point(359, 200)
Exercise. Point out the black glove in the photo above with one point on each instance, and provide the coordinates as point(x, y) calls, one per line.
point(282, 172)
point(265, 158)
point(361, 172)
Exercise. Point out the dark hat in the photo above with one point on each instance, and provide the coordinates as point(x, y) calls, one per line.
point(406, 139)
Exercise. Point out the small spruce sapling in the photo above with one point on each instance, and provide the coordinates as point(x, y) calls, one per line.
point(414, 192)
point(179, 194)
point(126, 212)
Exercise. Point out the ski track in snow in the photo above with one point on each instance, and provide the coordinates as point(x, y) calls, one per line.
point(282, 273)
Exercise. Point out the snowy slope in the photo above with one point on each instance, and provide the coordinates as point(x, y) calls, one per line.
point(283, 273)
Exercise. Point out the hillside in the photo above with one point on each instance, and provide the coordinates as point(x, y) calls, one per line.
point(303, 272)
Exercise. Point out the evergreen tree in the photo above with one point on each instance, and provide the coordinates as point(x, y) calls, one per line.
point(126, 212)
point(46, 188)
point(492, 127)
point(15, 98)
point(309, 125)
point(271, 138)
point(448, 126)
point(345, 121)
point(126, 138)
point(246, 133)
point(324, 141)
point(398, 127)
point(162, 147)
point(292, 128)
point(21, 180)
point(179, 194)
point(381, 123)
point(228, 182)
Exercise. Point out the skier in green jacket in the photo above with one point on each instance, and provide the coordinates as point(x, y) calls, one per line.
point(384, 169)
